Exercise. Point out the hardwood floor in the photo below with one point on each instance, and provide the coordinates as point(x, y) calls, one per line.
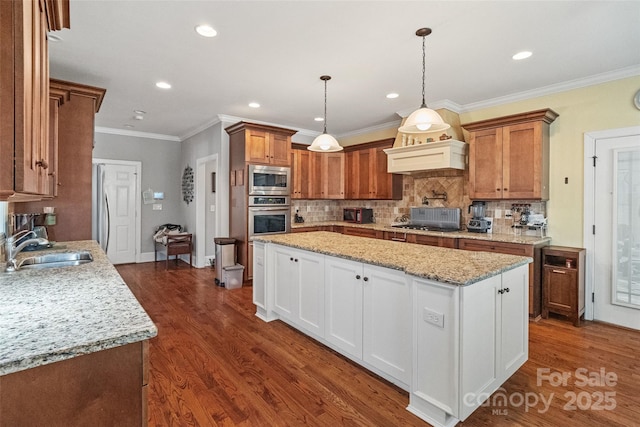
point(215, 363)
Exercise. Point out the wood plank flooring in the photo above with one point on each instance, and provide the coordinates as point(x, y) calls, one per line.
point(215, 363)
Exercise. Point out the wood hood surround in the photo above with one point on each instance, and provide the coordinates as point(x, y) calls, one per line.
point(436, 155)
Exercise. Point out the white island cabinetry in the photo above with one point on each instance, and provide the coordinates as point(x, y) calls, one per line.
point(450, 339)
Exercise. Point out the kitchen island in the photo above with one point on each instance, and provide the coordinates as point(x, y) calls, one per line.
point(447, 325)
point(73, 345)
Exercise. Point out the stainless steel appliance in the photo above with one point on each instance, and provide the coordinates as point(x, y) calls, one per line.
point(358, 215)
point(269, 215)
point(478, 223)
point(433, 219)
point(269, 180)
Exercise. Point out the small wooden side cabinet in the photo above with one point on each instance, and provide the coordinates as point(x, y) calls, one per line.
point(563, 276)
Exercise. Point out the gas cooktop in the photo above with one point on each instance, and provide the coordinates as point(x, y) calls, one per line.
point(424, 227)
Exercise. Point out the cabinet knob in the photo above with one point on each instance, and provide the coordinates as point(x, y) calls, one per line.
point(366, 279)
point(296, 260)
point(505, 189)
point(291, 259)
point(42, 163)
point(358, 276)
point(500, 291)
point(506, 289)
point(497, 189)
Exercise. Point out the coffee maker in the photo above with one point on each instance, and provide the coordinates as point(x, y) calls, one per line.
point(478, 223)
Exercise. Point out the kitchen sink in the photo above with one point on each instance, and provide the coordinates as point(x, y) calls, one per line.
point(58, 259)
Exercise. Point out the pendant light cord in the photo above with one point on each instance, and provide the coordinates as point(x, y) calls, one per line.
point(325, 106)
point(424, 104)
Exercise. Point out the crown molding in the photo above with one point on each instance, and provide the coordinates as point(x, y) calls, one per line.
point(114, 131)
point(446, 104)
point(382, 126)
point(622, 73)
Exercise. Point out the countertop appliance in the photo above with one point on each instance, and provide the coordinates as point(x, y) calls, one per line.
point(433, 219)
point(269, 180)
point(478, 223)
point(358, 215)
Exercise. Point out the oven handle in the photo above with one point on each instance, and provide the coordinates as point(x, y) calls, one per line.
point(269, 208)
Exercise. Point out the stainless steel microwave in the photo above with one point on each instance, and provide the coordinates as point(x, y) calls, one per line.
point(269, 180)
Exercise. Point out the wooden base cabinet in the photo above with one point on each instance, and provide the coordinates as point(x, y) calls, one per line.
point(98, 389)
point(563, 276)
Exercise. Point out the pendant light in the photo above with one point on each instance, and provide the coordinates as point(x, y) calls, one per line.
point(423, 119)
point(325, 143)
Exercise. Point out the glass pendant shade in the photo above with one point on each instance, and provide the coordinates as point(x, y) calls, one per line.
point(325, 143)
point(423, 120)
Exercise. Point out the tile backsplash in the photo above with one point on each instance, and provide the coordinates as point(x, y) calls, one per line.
point(414, 190)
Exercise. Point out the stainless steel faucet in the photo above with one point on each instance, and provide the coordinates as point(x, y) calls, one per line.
point(13, 249)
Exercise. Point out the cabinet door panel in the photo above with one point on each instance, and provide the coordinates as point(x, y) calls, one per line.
point(480, 339)
point(522, 161)
point(387, 322)
point(364, 189)
point(343, 305)
point(279, 149)
point(257, 147)
point(333, 175)
point(514, 347)
point(310, 295)
point(485, 164)
point(283, 297)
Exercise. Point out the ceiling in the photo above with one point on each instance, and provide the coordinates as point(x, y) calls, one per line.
point(274, 52)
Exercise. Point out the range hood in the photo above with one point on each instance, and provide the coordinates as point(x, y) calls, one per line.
point(447, 154)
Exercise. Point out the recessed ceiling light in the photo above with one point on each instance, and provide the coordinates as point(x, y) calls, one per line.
point(139, 112)
point(53, 37)
point(392, 95)
point(254, 105)
point(163, 85)
point(522, 55)
point(319, 119)
point(206, 31)
point(129, 126)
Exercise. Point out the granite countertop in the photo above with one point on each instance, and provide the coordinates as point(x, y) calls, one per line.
point(53, 314)
point(453, 266)
point(493, 237)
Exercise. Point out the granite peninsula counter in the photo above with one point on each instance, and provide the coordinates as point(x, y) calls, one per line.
point(448, 325)
point(53, 314)
point(73, 345)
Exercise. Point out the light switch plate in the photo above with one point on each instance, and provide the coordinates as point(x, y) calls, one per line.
point(433, 317)
point(212, 208)
point(157, 206)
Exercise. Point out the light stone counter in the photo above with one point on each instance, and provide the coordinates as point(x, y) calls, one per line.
point(492, 237)
point(445, 265)
point(53, 314)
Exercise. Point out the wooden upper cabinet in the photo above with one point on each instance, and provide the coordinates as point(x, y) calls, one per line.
point(301, 173)
point(509, 156)
point(367, 176)
point(333, 174)
point(24, 85)
point(260, 144)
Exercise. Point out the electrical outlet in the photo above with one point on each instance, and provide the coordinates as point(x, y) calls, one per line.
point(508, 213)
point(326, 208)
point(308, 208)
point(396, 210)
point(433, 317)
point(497, 213)
point(157, 206)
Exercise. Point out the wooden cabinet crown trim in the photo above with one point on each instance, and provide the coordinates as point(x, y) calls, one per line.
point(546, 115)
point(78, 89)
point(386, 143)
point(58, 16)
point(242, 126)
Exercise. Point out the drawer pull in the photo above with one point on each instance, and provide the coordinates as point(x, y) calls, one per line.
point(560, 271)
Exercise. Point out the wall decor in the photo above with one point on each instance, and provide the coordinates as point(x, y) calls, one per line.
point(187, 185)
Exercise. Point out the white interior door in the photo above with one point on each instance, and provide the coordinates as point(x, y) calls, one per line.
point(616, 242)
point(119, 186)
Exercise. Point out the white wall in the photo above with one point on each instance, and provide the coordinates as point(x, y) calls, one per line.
point(161, 171)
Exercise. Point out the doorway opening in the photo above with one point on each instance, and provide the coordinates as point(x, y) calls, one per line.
point(207, 207)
